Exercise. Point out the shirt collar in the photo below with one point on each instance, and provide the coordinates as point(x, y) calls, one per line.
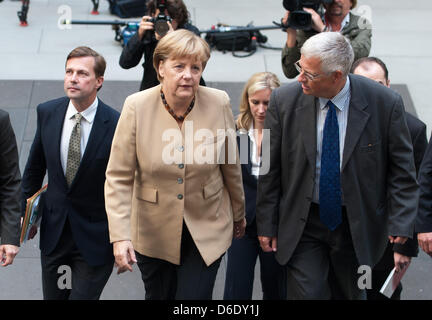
point(88, 114)
point(344, 22)
point(338, 100)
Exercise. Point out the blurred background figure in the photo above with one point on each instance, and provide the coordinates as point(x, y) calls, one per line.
point(243, 253)
point(337, 17)
point(143, 43)
point(172, 209)
point(375, 69)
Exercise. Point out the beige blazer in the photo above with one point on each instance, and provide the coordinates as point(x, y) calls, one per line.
point(159, 175)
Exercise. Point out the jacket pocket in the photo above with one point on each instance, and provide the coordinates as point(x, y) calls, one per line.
point(213, 187)
point(371, 147)
point(146, 194)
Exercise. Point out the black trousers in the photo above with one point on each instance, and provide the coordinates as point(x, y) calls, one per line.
point(379, 275)
point(324, 264)
point(242, 257)
point(191, 280)
point(86, 282)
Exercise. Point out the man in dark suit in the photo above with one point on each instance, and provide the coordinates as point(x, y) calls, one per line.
point(10, 177)
point(423, 225)
point(340, 153)
point(375, 69)
point(73, 142)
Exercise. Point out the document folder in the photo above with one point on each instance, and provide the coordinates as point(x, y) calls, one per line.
point(33, 214)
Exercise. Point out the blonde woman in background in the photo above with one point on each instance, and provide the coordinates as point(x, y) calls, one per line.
point(243, 253)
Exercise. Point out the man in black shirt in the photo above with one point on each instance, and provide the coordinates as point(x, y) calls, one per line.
point(144, 42)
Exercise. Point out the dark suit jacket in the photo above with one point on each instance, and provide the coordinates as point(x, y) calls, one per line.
point(10, 178)
point(249, 182)
point(424, 218)
point(377, 162)
point(417, 130)
point(83, 203)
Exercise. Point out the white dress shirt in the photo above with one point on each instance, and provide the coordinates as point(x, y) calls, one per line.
point(341, 101)
point(254, 156)
point(68, 124)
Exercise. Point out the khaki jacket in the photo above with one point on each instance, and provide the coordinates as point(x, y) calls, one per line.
point(159, 175)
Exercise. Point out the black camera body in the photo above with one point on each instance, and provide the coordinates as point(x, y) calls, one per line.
point(161, 20)
point(298, 18)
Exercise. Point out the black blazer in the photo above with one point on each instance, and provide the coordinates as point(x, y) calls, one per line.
point(83, 203)
point(424, 217)
point(10, 178)
point(249, 182)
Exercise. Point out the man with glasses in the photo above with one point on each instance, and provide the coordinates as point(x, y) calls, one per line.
point(340, 153)
point(338, 17)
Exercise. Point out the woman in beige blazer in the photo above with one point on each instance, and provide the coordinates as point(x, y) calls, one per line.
point(173, 191)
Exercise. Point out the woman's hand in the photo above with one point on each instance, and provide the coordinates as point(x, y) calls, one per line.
point(239, 228)
point(124, 254)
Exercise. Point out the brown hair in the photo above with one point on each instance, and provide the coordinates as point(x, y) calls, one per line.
point(176, 10)
point(100, 63)
point(178, 44)
point(258, 81)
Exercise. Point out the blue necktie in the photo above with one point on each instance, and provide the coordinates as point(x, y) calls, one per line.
point(329, 185)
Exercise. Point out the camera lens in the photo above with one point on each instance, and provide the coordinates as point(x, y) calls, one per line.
point(161, 27)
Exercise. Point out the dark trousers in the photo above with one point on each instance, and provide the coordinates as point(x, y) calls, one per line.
point(379, 275)
point(242, 257)
point(86, 283)
point(191, 280)
point(324, 264)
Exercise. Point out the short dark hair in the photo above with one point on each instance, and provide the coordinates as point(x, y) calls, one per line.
point(176, 9)
point(100, 63)
point(376, 60)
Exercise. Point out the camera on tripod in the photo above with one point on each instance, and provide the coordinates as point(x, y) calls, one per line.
point(160, 22)
point(298, 18)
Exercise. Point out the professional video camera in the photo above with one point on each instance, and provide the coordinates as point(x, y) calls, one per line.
point(300, 19)
point(161, 20)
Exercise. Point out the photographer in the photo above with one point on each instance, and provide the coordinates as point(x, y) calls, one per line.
point(144, 42)
point(338, 17)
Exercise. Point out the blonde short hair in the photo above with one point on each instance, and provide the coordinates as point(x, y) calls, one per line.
point(258, 81)
point(179, 44)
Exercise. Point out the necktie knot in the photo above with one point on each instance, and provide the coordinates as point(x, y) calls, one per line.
point(78, 116)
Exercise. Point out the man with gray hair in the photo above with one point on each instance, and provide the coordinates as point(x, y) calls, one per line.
point(340, 153)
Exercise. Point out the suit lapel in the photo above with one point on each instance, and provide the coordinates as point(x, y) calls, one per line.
point(56, 126)
point(307, 119)
point(97, 134)
point(357, 120)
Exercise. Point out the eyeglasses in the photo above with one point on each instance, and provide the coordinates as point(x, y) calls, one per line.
point(309, 76)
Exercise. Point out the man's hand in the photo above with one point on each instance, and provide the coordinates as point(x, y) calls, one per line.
point(124, 254)
point(268, 244)
point(7, 254)
point(239, 228)
point(400, 261)
point(145, 25)
point(400, 240)
point(425, 242)
point(317, 23)
point(291, 33)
